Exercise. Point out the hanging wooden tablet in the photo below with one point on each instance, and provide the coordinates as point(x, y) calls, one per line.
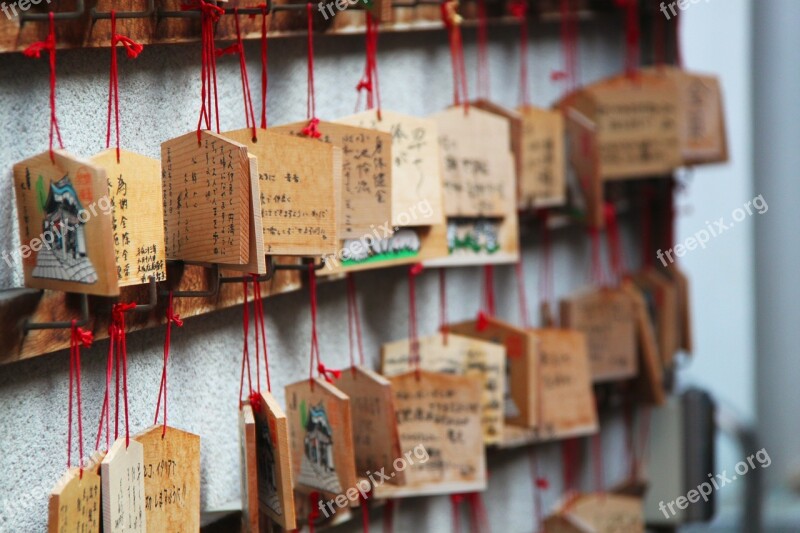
point(134, 187)
point(122, 480)
point(74, 503)
point(649, 382)
point(636, 124)
point(257, 264)
point(375, 437)
point(521, 397)
point(275, 487)
point(663, 299)
point(366, 184)
point(206, 188)
point(479, 188)
point(320, 437)
point(701, 120)
point(684, 307)
point(568, 406)
point(438, 417)
point(299, 187)
point(607, 318)
point(171, 471)
point(598, 513)
point(65, 224)
point(416, 230)
point(541, 166)
point(249, 465)
point(464, 356)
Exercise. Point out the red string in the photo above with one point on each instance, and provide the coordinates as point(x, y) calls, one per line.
point(105, 416)
point(132, 49)
point(483, 51)
point(264, 56)
point(597, 275)
point(210, 15)
point(118, 353)
point(413, 337)
point(519, 10)
point(539, 484)
point(388, 515)
point(480, 520)
point(172, 318)
point(614, 243)
point(569, 459)
point(327, 373)
point(659, 53)
point(569, 45)
point(647, 225)
point(238, 49)
point(311, 129)
point(455, 504)
point(443, 328)
point(369, 80)
point(452, 22)
point(354, 323)
point(364, 512)
point(488, 290)
point(546, 283)
point(519, 270)
point(35, 51)
point(313, 513)
point(78, 337)
point(246, 347)
point(632, 35)
point(258, 304)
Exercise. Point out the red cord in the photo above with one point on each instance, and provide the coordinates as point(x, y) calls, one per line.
point(105, 416)
point(569, 45)
point(326, 373)
point(388, 515)
point(364, 512)
point(632, 35)
point(369, 80)
point(488, 290)
point(35, 51)
point(614, 243)
point(413, 337)
point(519, 270)
point(443, 304)
point(78, 337)
point(519, 10)
point(264, 56)
point(546, 283)
point(452, 22)
point(540, 484)
point(258, 304)
point(172, 318)
point(311, 129)
point(210, 15)
point(483, 52)
point(132, 49)
point(354, 323)
point(313, 513)
point(238, 49)
point(245, 348)
point(659, 40)
point(455, 505)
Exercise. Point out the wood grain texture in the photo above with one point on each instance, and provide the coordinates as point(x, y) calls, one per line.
point(65, 224)
point(299, 183)
point(21, 305)
point(134, 185)
point(662, 298)
point(597, 512)
point(257, 264)
point(649, 382)
point(249, 469)
point(206, 194)
point(122, 482)
point(171, 479)
point(74, 503)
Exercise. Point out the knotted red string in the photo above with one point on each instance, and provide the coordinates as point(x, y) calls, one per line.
point(35, 51)
point(443, 304)
point(105, 417)
point(311, 129)
point(569, 46)
point(632, 35)
point(78, 337)
point(210, 15)
point(326, 373)
point(452, 23)
point(369, 80)
point(487, 298)
point(483, 85)
point(245, 348)
point(119, 311)
point(313, 513)
point(132, 49)
point(258, 307)
point(172, 318)
point(519, 10)
point(354, 323)
point(238, 49)
point(413, 336)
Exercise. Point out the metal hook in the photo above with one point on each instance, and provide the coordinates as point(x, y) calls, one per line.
point(28, 325)
point(307, 264)
point(146, 308)
point(151, 9)
point(194, 13)
point(212, 291)
point(77, 13)
point(263, 277)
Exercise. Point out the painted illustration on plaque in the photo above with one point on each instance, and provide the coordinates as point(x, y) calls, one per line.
point(66, 258)
point(267, 468)
point(473, 236)
point(402, 244)
point(318, 467)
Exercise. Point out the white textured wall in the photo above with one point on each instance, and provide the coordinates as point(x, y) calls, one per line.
point(159, 94)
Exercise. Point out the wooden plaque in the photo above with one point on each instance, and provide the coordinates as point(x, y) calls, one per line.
point(686, 340)
point(416, 175)
point(438, 415)
point(464, 356)
point(567, 398)
point(134, 186)
point(65, 224)
point(375, 436)
point(541, 170)
point(257, 263)
point(521, 394)
point(600, 513)
point(206, 189)
point(122, 482)
point(275, 488)
point(365, 200)
point(607, 318)
point(320, 437)
point(171, 479)
point(636, 124)
point(649, 382)
point(249, 466)
point(300, 188)
point(663, 299)
point(477, 163)
point(74, 503)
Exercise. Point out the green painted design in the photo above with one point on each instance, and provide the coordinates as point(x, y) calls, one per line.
point(303, 413)
point(41, 193)
point(379, 258)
